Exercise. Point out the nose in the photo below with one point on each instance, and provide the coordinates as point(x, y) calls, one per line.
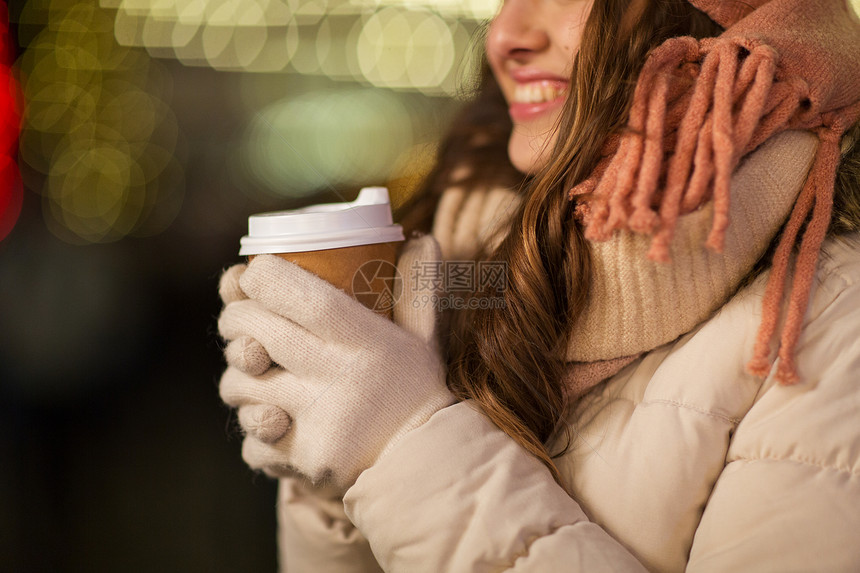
point(516, 31)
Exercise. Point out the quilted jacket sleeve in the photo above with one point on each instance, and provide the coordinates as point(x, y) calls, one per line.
point(314, 533)
point(789, 496)
point(457, 494)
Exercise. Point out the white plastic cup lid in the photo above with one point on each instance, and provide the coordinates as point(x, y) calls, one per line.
point(365, 221)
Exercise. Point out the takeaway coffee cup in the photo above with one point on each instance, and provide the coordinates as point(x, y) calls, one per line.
point(352, 245)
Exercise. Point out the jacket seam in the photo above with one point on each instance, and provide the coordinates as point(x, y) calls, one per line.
point(697, 409)
point(798, 461)
point(530, 540)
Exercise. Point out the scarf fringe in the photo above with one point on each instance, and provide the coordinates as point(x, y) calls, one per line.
point(714, 101)
point(697, 109)
point(814, 207)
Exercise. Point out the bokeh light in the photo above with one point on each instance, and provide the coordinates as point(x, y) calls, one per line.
point(324, 139)
point(405, 49)
point(411, 45)
point(99, 140)
point(319, 136)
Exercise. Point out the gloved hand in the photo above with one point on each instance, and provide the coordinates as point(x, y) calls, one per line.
point(323, 385)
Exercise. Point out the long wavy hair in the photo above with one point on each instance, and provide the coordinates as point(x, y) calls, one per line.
point(510, 360)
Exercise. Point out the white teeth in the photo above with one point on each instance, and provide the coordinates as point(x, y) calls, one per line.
point(536, 92)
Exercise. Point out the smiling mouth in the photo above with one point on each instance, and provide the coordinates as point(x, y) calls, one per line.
point(538, 92)
point(536, 99)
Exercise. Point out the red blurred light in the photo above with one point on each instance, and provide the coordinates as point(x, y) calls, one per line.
point(11, 195)
point(11, 190)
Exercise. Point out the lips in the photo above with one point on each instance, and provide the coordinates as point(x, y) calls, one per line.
point(534, 97)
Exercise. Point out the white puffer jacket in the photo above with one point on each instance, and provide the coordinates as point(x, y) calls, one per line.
point(682, 457)
point(680, 461)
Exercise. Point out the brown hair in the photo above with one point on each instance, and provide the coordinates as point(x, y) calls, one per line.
point(510, 360)
point(846, 199)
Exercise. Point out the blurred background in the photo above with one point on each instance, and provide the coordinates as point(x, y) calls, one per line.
point(147, 131)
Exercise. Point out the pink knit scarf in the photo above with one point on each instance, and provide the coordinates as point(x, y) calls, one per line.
point(700, 106)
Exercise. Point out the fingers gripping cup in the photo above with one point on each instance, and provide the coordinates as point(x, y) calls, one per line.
point(352, 245)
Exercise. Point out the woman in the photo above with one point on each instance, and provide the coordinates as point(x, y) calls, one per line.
point(671, 382)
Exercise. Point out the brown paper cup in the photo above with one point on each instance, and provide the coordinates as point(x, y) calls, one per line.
point(365, 272)
point(352, 245)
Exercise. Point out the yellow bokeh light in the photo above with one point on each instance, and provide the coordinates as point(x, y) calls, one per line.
point(430, 52)
point(303, 56)
point(92, 118)
point(336, 46)
point(215, 40)
point(396, 44)
point(371, 44)
point(128, 28)
point(109, 210)
point(413, 49)
point(454, 9)
point(310, 12)
point(248, 43)
point(158, 33)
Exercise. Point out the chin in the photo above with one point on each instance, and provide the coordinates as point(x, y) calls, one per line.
point(526, 152)
point(525, 156)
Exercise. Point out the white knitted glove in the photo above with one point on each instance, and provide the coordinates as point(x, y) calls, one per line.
point(346, 383)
